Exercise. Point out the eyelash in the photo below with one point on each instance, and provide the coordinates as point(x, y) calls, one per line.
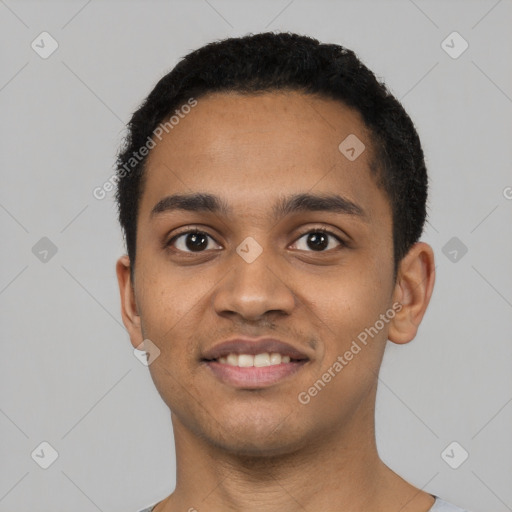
point(325, 231)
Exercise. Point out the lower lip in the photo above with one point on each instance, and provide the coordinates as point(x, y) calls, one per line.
point(253, 377)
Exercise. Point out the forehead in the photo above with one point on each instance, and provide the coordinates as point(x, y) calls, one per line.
point(239, 146)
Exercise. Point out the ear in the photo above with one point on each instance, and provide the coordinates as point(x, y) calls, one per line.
point(129, 310)
point(413, 289)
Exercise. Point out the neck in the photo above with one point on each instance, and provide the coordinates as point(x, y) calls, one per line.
point(339, 470)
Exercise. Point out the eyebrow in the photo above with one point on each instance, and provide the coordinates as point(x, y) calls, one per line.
point(198, 202)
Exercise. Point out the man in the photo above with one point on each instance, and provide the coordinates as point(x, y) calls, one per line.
point(272, 194)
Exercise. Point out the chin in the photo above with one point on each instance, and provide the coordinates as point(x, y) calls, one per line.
point(259, 447)
point(275, 437)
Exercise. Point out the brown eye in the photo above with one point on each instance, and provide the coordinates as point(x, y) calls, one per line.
point(191, 241)
point(318, 240)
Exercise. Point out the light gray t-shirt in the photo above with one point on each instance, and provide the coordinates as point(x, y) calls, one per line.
point(439, 506)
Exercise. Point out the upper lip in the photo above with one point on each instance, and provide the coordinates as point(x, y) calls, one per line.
point(253, 347)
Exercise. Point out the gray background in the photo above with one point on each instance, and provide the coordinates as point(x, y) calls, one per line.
point(69, 376)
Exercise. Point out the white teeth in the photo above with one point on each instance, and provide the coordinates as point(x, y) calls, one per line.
point(262, 359)
point(275, 358)
point(245, 360)
point(259, 360)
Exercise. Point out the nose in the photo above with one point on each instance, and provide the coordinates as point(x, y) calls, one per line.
point(254, 289)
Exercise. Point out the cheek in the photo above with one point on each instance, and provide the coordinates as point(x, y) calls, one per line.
point(349, 305)
point(356, 291)
point(168, 306)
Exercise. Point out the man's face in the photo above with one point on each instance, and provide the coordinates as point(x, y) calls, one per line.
point(306, 289)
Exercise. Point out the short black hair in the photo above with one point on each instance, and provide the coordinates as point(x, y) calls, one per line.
point(285, 61)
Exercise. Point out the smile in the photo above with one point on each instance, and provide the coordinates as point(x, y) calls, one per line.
point(258, 371)
point(258, 360)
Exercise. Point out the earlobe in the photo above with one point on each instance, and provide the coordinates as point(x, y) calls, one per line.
point(413, 290)
point(129, 310)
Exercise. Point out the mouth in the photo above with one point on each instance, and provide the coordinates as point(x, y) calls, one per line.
point(257, 360)
point(254, 371)
point(253, 363)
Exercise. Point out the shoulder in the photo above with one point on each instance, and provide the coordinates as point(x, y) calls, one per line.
point(443, 506)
